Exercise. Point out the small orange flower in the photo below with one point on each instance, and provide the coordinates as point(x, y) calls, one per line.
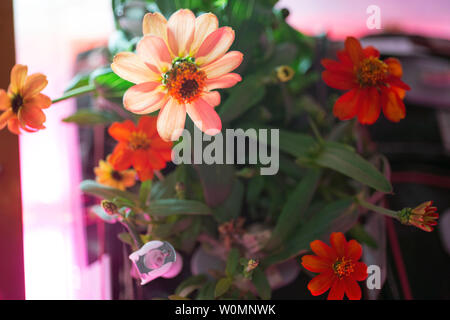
point(108, 176)
point(22, 103)
point(423, 216)
point(338, 266)
point(373, 84)
point(140, 147)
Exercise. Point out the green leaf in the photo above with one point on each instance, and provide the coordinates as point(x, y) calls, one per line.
point(207, 291)
point(261, 283)
point(92, 117)
point(108, 83)
point(312, 230)
point(232, 262)
point(168, 207)
point(126, 238)
point(242, 97)
point(80, 80)
point(105, 192)
point(296, 144)
point(294, 210)
point(144, 193)
point(186, 287)
point(340, 158)
point(222, 286)
point(217, 182)
point(232, 206)
point(359, 233)
point(164, 189)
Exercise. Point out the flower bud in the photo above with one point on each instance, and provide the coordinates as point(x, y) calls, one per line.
point(423, 216)
point(284, 73)
point(109, 207)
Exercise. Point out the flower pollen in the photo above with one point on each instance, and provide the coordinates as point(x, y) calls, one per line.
point(185, 81)
point(139, 141)
point(372, 72)
point(343, 267)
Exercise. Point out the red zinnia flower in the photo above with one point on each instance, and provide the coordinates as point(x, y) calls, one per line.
point(373, 84)
point(140, 147)
point(423, 216)
point(338, 266)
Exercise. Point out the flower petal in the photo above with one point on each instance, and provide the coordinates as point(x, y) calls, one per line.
point(154, 51)
point(315, 263)
point(323, 250)
point(147, 125)
point(352, 289)
point(346, 106)
point(371, 52)
point(5, 102)
point(204, 116)
point(144, 98)
point(337, 290)
point(215, 46)
point(337, 66)
point(121, 131)
point(394, 67)
point(121, 157)
point(39, 100)
point(155, 24)
point(354, 50)
point(204, 25)
point(226, 81)
point(212, 98)
point(13, 125)
point(131, 67)
point(5, 117)
point(171, 120)
point(360, 271)
point(354, 250)
point(369, 110)
point(339, 80)
point(180, 31)
point(31, 116)
point(338, 242)
point(223, 65)
point(321, 283)
point(393, 106)
point(34, 84)
point(18, 77)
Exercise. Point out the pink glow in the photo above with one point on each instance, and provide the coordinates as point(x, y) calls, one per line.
point(348, 17)
point(54, 243)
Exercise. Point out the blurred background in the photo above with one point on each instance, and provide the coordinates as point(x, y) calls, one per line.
point(64, 248)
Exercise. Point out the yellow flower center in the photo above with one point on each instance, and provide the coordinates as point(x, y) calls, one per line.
point(372, 72)
point(16, 103)
point(343, 267)
point(185, 81)
point(139, 141)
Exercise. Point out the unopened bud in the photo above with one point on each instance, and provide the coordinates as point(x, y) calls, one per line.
point(109, 207)
point(284, 73)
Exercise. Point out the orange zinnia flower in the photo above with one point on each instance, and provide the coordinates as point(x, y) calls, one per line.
point(23, 102)
point(423, 216)
point(374, 84)
point(178, 64)
point(140, 147)
point(107, 175)
point(338, 266)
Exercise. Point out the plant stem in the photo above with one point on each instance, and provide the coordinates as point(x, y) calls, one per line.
point(315, 130)
point(76, 92)
point(370, 206)
point(133, 232)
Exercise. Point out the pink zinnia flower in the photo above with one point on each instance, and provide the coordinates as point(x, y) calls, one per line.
point(178, 64)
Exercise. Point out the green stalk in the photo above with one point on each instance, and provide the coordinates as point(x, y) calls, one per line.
point(372, 207)
point(76, 92)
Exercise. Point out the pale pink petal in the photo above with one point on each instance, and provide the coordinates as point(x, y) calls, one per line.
point(215, 46)
point(153, 50)
point(180, 31)
point(227, 63)
point(18, 77)
point(226, 81)
point(5, 102)
point(212, 98)
point(204, 117)
point(34, 84)
point(155, 24)
point(131, 67)
point(143, 98)
point(204, 25)
point(171, 120)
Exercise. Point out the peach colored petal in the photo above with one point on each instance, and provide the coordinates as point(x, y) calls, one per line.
point(212, 98)
point(18, 77)
point(204, 25)
point(215, 46)
point(143, 98)
point(180, 31)
point(34, 84)
point(131, 67)
point(226, 81)
point(223, 65)
point(5, 102)
point(154, 50)
point(204, 116)
point(4, 118)
point(32, 117)
point(13, 125)
point(171, 120)
point(39, 100)
point(155, 24)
